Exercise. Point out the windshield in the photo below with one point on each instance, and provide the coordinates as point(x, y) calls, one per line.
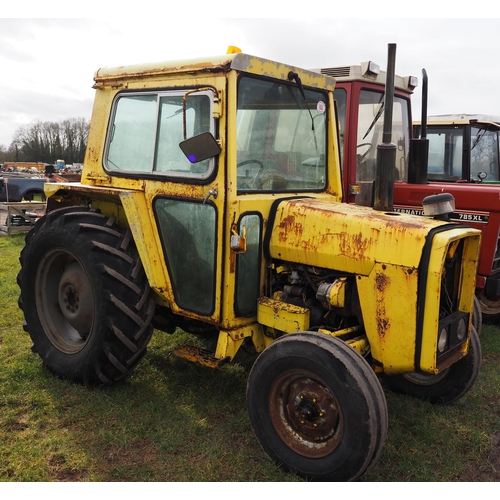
point(370, 131)
point(484, 154)
point(446, 154)
point(281, 137)
point(370, 134)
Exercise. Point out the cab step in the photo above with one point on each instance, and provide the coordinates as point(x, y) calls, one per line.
point(199, 355)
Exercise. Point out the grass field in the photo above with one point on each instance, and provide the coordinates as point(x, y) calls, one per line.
point(176, 421)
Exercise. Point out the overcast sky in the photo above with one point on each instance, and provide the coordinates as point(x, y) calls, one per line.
point(47, 64)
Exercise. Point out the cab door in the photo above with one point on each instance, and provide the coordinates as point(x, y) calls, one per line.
point(184, 196)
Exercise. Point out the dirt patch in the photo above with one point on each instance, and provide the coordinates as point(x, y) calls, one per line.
point(59, 470)
point(486, 471)
point(142, 452)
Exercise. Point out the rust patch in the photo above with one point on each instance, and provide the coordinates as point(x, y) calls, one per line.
point(382, 325)
point(278, 306)
point(232, 262)
point(381, 282)
point(290, 226)
point(354, 246)
point(110, 76)
point(287, 222)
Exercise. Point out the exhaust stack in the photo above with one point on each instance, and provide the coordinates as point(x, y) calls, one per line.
point(419, 148)
point(383, 199)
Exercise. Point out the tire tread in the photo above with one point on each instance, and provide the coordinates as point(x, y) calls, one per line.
point(124, 325)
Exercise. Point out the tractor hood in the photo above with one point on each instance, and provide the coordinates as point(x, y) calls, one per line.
point(345, 237)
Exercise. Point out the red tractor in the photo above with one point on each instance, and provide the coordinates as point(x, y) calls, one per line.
point(463, 161)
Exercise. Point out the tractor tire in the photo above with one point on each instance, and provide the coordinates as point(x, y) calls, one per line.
point(489, 308)
point(446, 387)
point(477, 316)
point(85, 297)
point(316, 407)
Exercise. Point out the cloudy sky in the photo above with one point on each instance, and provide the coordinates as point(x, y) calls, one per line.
point(47, 64)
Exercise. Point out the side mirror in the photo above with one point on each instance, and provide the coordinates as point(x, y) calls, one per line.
point(239, 241)
point(200, 147)
point(481, 176)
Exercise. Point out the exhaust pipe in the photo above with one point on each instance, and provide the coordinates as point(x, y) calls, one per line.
point(383, 198)
point(419, 148)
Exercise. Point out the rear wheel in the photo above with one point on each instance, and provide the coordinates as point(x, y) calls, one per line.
point(477, 316)
point(489, 307)
point(446, 387)
point(317, 407)
point(85, 296)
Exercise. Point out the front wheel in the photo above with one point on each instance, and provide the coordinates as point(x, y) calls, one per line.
point(317, 407)
point(446, 387)
point(85, 296)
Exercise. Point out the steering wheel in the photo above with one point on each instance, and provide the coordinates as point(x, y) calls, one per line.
point(361, 157)
point(255, 182)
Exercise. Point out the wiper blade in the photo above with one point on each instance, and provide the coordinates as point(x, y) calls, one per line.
point(479, 136)
point(377, 116)
point(296, 78)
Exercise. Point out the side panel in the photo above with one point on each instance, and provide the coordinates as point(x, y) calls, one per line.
point(146, 240)
point(442, 249)
point(388, 298)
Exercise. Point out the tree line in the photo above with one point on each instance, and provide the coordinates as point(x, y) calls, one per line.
point(47, 142)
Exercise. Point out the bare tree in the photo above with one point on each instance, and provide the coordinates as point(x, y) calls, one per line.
point(4, 154)
point(47, 142)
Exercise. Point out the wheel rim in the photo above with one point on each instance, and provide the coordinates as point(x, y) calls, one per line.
point(305, 414)
point(489, 307)
point(64, 300)
point(425, 378)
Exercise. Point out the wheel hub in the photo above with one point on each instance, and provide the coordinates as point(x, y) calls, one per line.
point(309, 409)
point(305, 415)
point(70, 299)
point(65, 301)
point(75, 299)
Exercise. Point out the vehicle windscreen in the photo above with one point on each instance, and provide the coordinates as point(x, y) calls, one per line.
point(445, 153)
point(484, 154)
point(450, 161)
point(370, 131)
point(281, 136)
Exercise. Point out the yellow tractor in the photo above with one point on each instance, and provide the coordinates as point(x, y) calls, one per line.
point(211, 200)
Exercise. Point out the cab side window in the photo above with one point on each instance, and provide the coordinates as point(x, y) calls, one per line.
point(147, 128)
point(188, 230)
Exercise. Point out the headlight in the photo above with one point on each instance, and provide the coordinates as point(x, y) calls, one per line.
point(442, 340)
point(461, 330)
point(453, 331)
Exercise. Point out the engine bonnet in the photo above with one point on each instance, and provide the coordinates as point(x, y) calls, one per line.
point(345, 237)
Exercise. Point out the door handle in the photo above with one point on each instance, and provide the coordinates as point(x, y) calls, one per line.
point(213, 192)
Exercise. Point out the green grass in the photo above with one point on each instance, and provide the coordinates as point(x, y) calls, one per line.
point(176, 421)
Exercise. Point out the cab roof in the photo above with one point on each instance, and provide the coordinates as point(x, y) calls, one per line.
point(463, 119)
point(239, 62)
point(362, 73)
